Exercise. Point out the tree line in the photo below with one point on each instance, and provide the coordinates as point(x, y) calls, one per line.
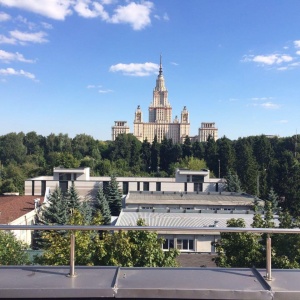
point(260, 162)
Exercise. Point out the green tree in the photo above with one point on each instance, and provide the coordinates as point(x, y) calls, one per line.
point(211, 155)
point(146, 155)
point(54, 212)
point(187, 147)
point(113, 196)
point(233, 183)
point(12, 251)
point(58, 251)
point(155, 158)
point(246, 166)
point(12, 149)
point(101, 205)
point(239, 249)
point(198, 150)
point(226, 155)
point(137, 249)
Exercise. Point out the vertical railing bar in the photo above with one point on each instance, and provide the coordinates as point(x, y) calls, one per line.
point(268, 258)
point(72, 255)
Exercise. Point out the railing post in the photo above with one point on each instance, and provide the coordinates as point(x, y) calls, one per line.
point(72, 255)
point(268, 258)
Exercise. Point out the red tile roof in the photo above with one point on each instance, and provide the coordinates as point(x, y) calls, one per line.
point(13, 207)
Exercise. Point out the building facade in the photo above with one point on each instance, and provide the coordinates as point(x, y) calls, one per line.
point(207, 129)
point(120, 127)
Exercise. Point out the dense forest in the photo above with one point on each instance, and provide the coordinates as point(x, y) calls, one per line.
point(261, 163)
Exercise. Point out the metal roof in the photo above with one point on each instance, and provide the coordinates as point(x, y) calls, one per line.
point(129, 218)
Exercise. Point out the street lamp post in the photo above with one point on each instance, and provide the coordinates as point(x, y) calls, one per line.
point(219, 168)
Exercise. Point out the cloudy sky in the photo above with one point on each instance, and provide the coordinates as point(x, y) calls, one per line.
point(76, 66)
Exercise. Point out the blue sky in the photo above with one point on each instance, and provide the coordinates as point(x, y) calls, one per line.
point(76, 66)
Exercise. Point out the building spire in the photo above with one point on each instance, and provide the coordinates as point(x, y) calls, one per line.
point(160, 65)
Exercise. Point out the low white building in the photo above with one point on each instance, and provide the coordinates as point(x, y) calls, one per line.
point(184, 181)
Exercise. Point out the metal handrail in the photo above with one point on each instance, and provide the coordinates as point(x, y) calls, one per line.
point(199, 230)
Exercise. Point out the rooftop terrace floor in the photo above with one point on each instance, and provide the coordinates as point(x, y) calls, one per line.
point(35, 282)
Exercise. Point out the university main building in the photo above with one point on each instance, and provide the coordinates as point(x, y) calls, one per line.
point(160, 120)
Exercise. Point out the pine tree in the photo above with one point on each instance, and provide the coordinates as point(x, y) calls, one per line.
point(101, 205)
point(113, 196)
point(55, 212)
point(273, 198)
point(233, 183)
point(73, 198)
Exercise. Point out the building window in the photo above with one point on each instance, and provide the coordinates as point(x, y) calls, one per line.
point(63, 186)
point(146, 186)
point(158, 186)
point(32, 188)
point(168, 244)
point(185, 244)
point(197, 178)
point(198, 187)
point(125, 187)
point(43, 184)
point(138, 186)
point(147, 207)
point(65, 176)
point(188, 178)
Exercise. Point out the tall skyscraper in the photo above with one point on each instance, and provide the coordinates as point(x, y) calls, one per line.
point(160, 122)
point(160, 117)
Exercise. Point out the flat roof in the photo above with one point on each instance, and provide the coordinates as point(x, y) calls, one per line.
point(148, 283)
point(188, 198)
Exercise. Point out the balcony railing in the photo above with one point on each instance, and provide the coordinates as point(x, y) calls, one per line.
point(189, 230)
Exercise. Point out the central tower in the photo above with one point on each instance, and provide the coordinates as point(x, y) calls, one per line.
point(160, 110)
point(160, 117)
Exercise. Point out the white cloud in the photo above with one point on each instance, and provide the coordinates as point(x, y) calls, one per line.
point(270, 105)
point(297, 44)
point(8, 57)
point(4, 17)
point(23, 20)
point(272, 59)
point(166, 17)
point(283, 121)
point(105, 91)
point(46, 25)
point(174, 63)
point(298, 52)
point(54, 9)
point(137, 15)
point(13, 72)
point(261, 98)
point(135, 69)
point(89, 9)
point(7, 40)
point(24, 37)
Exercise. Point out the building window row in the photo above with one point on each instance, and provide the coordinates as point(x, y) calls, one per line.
point(180, 244)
